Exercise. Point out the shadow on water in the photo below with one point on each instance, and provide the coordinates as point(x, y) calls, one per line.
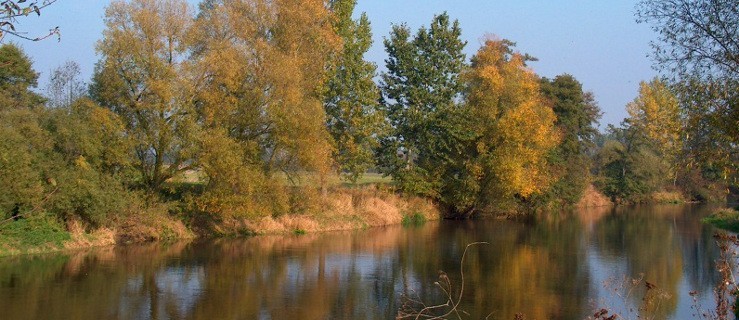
point(552, 268)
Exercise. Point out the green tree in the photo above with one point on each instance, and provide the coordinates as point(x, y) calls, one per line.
point(352, 114)
point(629, 167)
point(577, 115)
point(140, 78)
point(23, 139)
point(420, 95)
point(62, 161)
point(17, 77)
point(89, 162)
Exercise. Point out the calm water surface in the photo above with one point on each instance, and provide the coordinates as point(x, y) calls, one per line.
point(562, 267)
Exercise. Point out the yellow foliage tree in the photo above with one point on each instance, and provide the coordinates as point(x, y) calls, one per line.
point(139, 77)
point(260, 66)
point(515, 125)
point(655, 113)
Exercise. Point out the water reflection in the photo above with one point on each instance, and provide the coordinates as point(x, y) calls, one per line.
point(554, 268)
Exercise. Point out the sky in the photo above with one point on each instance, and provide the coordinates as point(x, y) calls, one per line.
point(597, 41)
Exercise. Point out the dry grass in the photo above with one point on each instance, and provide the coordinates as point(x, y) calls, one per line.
point(664, 197)
point(593, 198)
point(340, 209)
point(360, 207)
point(151, 223)
point(101, 237)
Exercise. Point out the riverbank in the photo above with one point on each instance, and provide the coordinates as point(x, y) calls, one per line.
point(342, 207)
point(726, 218)
point(339, 209)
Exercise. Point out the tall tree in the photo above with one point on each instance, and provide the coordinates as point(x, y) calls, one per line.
point(698, 45)
point(352, 114)
point(64, 86)
point(516, 126)
point(711, 115)
point(656, 114)
point(261, 67)
point(140, 78)
point(577, 115)
point(23, 140)
point(420, 93)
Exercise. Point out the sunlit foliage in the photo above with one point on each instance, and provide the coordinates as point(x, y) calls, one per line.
point(140, 78)
point(577, 117)
point(261, 68)
point(351, 99)
point(697, 47)
point(516, 126)
point(420, 97)
point(656, 115)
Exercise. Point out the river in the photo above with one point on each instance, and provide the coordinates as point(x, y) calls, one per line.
point(561, 266)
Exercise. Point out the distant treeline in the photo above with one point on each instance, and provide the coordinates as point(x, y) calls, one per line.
point(219, 111)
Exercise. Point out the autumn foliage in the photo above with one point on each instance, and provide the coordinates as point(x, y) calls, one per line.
point(514, 122)
point(249, 109)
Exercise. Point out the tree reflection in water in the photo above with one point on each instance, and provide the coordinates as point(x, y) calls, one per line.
point(553, 268)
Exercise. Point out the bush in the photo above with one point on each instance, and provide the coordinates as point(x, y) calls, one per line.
point(88, 195)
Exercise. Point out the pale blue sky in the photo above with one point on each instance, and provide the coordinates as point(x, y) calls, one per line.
point(597, 41)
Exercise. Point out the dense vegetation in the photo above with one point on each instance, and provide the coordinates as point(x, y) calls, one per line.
point(247, 109)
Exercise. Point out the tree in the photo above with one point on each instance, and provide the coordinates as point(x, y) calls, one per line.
point(11, 10)
point(352, 114)
point(89, 162)
point(698, 46)
point(696, 37)
point(17, 77)
point(656, 114)
point(711, 115)
point(261, 68)
point(630, 169)
point(420, 95)
point(515, 126)
point(140, 77)
point(23, 140)
point(64, 86)
point(577, 114)
point(63, 161)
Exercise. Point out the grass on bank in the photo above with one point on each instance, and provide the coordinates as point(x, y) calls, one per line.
point(369, 202)
point(413, 220)
point(668, 197)
point(727, 219)
point(195, 177)
point(36, 234)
